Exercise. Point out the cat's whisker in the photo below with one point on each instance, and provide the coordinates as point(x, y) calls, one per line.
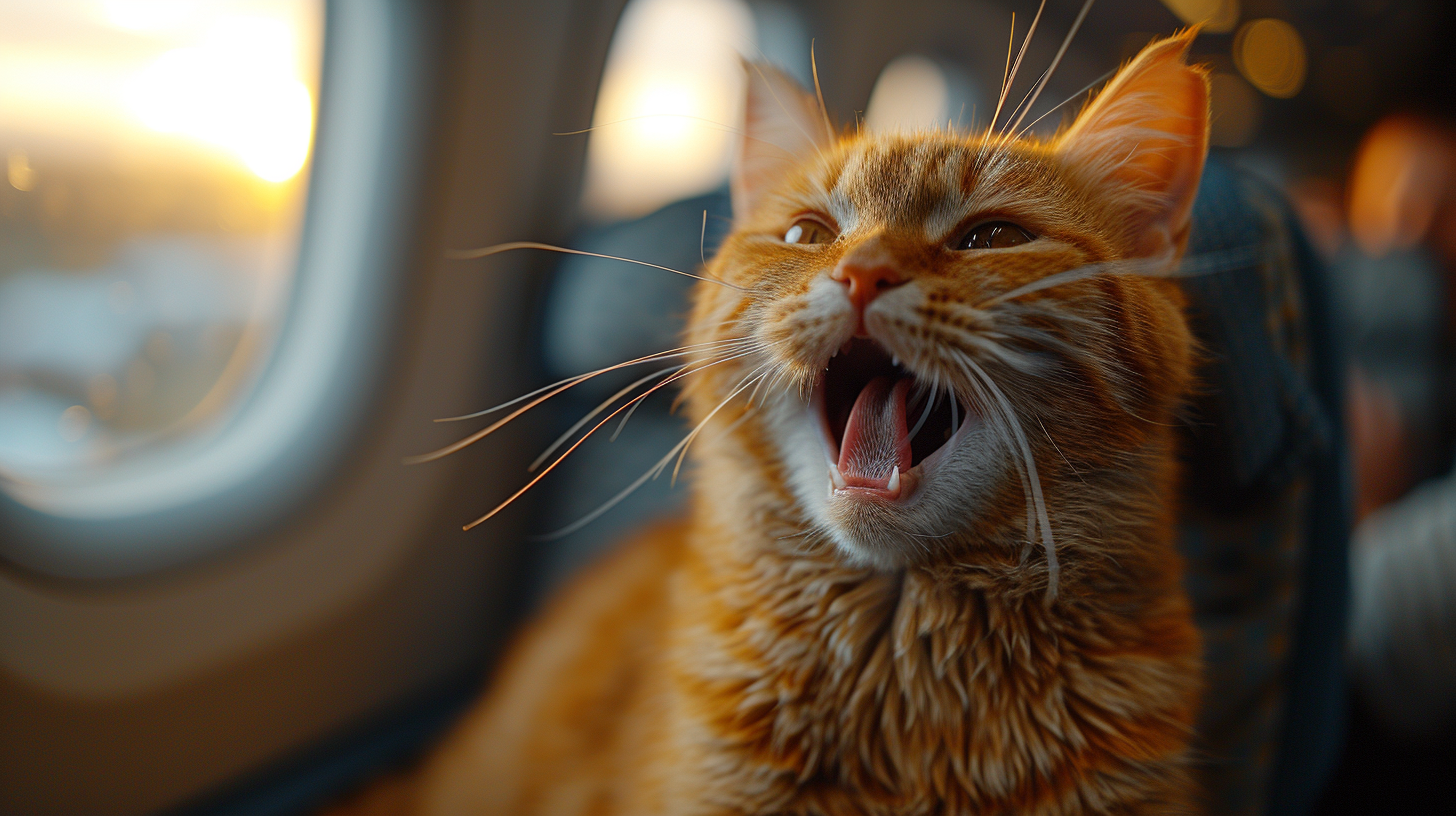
point(674, 378)
point(570, 432)
point(496, 249)
point(924, 415)
point(1010, 45)
point(744, 383)
point(753, 397)
point(702, 239)
point(1039, 339)
point(784, 375)
point(1161, 266)
point(955, 420)
point(1008, 414)
point(650, 474)
point(1058, 449)
point(1000, 432)
point(580, 378)
point(627, 417)
point(629, 119)
point(1057, 60)
point(1000, 352)
point(1009, 135)
point(819, 94)
point(713, 125)
point(1089, 86)
point(1011, 77)
point(769, 86)
point(502, 422)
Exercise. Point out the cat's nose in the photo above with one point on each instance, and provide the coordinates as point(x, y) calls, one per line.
point(866, 281)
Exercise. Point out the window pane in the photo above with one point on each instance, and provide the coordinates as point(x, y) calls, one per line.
point(154, 155)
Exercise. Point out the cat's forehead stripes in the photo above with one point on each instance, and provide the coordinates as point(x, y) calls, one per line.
point(933, 184)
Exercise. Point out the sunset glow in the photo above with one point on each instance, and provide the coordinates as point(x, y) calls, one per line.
point(237, 91)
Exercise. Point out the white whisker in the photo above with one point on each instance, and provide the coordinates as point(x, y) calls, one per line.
point(578, 378)
point(1161, 266)
point(570, 432)
point(1048, 542)
point(924, 415)
point(675, 377)
point(1076, 24)
point(742, 384)
point(1011, 77)
point(651, 473)
point(1059, 105)
point(483, 252)
point(503, 421)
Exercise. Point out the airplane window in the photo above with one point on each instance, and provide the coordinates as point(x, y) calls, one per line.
point(154, 155)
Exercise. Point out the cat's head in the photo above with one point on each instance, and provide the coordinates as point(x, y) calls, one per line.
point(914, 373)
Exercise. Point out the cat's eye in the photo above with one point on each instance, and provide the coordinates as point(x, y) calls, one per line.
point(808, 231)
point(994, 235)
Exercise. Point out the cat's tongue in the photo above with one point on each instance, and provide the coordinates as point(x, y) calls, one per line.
point(876, 439)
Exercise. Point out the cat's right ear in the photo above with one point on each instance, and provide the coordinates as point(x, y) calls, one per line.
point(1145, 137)
point(782, 125)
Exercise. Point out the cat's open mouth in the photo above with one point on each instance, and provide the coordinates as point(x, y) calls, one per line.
point(883, 427)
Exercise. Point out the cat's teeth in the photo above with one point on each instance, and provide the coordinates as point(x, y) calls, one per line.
point(894, 484)
point(836, 480)
point(895, 360)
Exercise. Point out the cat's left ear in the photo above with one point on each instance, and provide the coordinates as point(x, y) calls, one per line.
point(782, 125)
point(1145, 137)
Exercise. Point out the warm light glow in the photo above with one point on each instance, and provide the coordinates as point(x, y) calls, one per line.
point(1270, 54)
point(912, 92)
point(148, 15)
point(19, 172)
point(1216, 16)
point(1401, 173)
point(237, 90)
point(669, 105)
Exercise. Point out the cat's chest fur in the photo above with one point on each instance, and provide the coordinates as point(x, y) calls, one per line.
point(812, 688)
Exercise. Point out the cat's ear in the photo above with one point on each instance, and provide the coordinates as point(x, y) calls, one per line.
point(782, 125)
point(1145, 137)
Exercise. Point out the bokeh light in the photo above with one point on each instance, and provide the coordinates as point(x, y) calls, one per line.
point(1399, 177)
point(1216, 16)
point(1271, 55)
point(911, 92)
point(670, 100)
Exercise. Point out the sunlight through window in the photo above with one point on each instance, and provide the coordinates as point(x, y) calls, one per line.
point(154, 155)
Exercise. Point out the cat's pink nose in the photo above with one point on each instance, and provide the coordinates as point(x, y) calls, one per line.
point(866, 282)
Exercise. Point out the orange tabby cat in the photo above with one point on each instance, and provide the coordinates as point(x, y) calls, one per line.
point(930, 564)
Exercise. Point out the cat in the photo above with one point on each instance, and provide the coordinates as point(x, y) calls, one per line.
point(929, 565)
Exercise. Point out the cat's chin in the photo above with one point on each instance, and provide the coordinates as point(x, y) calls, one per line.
point(890, 522)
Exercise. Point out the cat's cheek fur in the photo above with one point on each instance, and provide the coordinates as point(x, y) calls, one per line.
point(803, 332)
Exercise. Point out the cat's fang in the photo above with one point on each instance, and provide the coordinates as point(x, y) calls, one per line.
point(893, 486)
point(835, 477)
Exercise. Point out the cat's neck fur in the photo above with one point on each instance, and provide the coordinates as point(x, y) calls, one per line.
point(944, 687)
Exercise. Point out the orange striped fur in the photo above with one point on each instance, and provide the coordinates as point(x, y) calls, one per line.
point(788, 650)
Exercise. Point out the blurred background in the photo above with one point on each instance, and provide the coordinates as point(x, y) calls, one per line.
point(226, 318)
